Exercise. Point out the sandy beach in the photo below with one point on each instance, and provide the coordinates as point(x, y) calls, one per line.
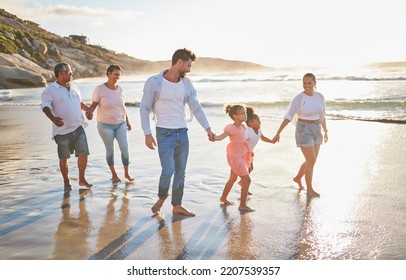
point(360, 175)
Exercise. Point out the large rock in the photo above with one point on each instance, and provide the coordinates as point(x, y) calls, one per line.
point(39, 46)
point(13, 77)
point(26, 42)
point(14, 65)
point(9, 35)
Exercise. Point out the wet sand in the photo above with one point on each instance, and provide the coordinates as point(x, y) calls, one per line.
point(361, 213)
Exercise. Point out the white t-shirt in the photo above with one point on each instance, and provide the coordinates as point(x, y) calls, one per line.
point(65, 105)
point(170, 108)
point(252, 137)
point(307, 107)
point(111, 108)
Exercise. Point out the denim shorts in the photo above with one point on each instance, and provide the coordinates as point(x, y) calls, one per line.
point(308, 134)
point(75, 141)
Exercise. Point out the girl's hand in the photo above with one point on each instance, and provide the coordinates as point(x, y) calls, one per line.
point(275, 139)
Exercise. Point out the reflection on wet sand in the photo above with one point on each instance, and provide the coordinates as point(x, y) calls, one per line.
point(73, 230)
point(308, 240)
point(171, 238)
point(117, 239)
point(218, 230)
point(240, 240)
point(115, 222)
point(203, 243)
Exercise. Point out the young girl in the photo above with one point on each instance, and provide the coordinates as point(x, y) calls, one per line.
point(254, 133)
point(238, 155)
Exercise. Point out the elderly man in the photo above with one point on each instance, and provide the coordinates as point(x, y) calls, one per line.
point(62, 104)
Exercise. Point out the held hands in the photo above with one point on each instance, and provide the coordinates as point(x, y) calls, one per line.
point(275, 138)
point(210, 134)
point(89, 114)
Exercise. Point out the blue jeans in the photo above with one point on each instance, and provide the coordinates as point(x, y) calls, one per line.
point(173, 149)
point(118, 131)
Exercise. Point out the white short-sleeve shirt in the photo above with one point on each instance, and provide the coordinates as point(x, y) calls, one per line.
point(252, 137)
point(65, 105)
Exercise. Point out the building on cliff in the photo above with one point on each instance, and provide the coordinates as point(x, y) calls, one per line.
point(80, 38)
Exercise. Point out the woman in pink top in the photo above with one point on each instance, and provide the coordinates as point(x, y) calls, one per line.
point(112, 119)
point(238, 155)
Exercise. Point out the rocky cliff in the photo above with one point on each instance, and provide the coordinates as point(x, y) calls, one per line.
point(29, 53)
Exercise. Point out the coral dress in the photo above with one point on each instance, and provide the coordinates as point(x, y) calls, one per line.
point(238, 150)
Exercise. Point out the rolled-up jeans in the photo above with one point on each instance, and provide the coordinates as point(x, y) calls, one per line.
point(173, 149)
point(109, 132)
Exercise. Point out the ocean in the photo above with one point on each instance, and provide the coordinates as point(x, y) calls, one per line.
point(364, 94)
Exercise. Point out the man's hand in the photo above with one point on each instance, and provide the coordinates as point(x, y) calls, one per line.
point(210, 134)
point(150, 141)
point(57, 121)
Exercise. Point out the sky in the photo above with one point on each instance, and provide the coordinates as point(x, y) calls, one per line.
point(275, 33)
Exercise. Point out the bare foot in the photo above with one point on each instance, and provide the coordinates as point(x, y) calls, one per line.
point(115, 180)
point(299, 182)
point(226, 202)
point(245, 209)
point(67, 185)
point(85, 184)
point(312, 193)
point(129, 178)
point(178, 209)
point(157, 206)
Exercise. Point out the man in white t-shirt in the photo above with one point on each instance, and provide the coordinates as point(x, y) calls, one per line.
point(166, 95)
point(62, 104)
